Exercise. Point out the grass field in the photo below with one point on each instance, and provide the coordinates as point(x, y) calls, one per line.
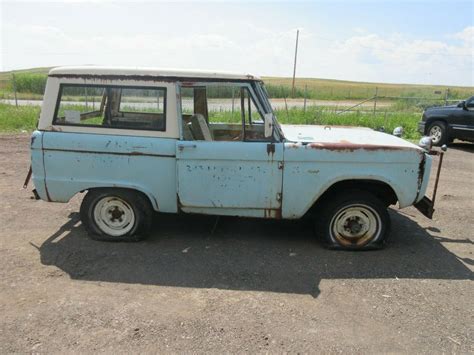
point(24, 118)
point(326, 89)
point(30, 85)
point(13, 119)
point(405, 113)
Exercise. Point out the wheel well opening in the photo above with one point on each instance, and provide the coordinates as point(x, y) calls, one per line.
point(433, 120)
point(380, 189)
point(141, 193)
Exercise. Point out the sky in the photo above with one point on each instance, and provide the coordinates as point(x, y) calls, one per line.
point(422, 42)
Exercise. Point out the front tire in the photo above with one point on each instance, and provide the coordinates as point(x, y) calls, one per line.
point(354, 220)
point(116, 215)
point(438, 133)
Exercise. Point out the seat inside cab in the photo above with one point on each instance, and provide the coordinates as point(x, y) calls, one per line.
point(220, 113)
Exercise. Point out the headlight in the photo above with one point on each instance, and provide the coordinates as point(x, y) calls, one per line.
point(426, 143)
point(398, 132)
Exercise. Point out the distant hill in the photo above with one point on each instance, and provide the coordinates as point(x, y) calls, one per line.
point(325, 89)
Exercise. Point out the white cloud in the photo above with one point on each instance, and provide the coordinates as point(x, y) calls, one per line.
point(466, 35)
point(238, 45)
point(396, 58)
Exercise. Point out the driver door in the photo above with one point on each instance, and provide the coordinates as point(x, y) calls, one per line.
point(233, 173)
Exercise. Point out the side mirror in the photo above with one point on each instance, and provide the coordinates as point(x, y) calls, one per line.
point(462, 104)
point(268, 125)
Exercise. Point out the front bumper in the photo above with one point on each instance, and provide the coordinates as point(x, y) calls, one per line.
point(426, 205)
point(421, 127)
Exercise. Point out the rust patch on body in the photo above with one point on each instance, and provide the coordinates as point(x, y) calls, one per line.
point(134, 153)
point(273, 213)
point(340, 146)
point(155, 78)
point(271, 149)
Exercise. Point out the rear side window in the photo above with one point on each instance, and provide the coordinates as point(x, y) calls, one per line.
point(140, 108)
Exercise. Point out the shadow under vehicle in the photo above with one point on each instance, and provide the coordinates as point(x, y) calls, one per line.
point(247, 254)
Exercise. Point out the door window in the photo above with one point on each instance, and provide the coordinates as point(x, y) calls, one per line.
point(220, 112)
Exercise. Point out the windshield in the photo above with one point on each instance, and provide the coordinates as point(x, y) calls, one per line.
point(263, 93)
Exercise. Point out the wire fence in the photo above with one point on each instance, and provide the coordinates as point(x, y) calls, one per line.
point(373, 100)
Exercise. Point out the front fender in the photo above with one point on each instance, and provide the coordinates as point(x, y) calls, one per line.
point(308, 174)
point(404, 198)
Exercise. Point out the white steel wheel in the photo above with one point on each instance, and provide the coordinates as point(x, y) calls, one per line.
point(114, 216)
point(353, 219)
point(436, 134)
point(355, 225)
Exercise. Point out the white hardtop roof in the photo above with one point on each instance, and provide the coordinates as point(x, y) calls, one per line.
point(149, 72)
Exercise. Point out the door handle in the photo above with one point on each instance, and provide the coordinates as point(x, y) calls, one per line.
point(182, 146)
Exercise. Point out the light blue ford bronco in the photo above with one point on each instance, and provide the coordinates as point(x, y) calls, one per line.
point(139, 141)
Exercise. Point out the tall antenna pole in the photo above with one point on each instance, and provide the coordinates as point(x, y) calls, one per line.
point(294, 66)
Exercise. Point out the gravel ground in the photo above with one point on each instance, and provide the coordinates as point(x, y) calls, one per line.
point(250, 286)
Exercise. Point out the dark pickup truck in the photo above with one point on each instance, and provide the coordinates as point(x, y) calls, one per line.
point(444, 124)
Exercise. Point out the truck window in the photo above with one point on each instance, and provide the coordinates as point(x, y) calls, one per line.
point(111, 107)
point(220, 112)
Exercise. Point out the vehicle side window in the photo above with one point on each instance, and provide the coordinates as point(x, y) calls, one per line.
point(140, 108)
point(220, 112)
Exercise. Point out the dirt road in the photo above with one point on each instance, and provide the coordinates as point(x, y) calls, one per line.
point(255, 286)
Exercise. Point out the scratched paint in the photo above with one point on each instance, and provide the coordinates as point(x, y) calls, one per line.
point(76, 162)
point(230, 175)
point(309, 172)
point(282, 179)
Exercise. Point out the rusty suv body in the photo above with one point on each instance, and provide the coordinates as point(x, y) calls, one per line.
point(140, 141)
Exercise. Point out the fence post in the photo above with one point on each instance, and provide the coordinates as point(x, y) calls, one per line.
point(87, 99)
point(233, 97)
point(304, 103)
point(446, 96)
point(375, 99)
point(14, 89)
point(286, 108)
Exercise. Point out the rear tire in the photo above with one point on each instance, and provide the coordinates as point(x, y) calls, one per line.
point(353, 220)
point(116, 215)
point(438, 133)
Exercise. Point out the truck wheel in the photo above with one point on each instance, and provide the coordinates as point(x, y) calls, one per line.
point(355, 220)
point(438, 134)
point(116, 215)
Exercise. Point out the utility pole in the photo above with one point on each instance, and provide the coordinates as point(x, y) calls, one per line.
point(294, 66)
point(14, 89)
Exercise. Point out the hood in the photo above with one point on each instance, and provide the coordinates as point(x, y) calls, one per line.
point(342, 135)
point(441, 108)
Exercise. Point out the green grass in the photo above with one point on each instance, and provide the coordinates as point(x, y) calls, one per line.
point(13, 119)
point(316, 116)
point(30, 83)
point(326, 89)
